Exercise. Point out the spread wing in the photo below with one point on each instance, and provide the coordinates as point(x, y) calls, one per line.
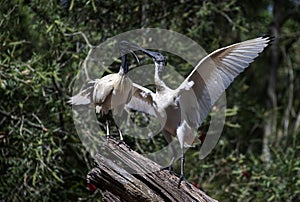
point(84, 97)
point(103, 88)
point(96, 91)
point(142, 100)
point(213, 74)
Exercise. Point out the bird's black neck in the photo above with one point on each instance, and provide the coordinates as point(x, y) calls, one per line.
point(124, 64)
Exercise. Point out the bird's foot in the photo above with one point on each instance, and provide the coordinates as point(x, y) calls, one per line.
point(182, 178)
point(168, 168)
point(110, 138)
point(124, 143)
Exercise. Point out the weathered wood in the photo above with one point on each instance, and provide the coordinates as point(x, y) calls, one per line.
point(109, 197)
point(128, 176)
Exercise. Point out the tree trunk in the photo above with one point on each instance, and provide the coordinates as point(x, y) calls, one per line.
point(125, 175)
point(297, 123)
point(271, 117)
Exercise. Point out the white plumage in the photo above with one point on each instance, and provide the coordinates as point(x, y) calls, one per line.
point(110, 92)
point(186, 107)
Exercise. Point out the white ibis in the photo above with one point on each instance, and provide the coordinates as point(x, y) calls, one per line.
point(111, 92)
point(186, 107)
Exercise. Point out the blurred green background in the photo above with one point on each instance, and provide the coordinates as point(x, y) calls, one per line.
point(42, 158)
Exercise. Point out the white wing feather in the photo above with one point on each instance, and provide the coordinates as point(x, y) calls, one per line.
point(214, 74)
point(142, 100)
point(84, 97)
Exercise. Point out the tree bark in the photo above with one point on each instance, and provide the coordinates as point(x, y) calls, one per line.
point(297, 123)
point(125, 175)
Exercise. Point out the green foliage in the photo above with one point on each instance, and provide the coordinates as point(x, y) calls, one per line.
point(240, 177)
point(42, 157)
point(250, 179)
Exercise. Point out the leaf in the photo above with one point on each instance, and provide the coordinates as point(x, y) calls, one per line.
point(232, 125)
point(56, 177)
point(49, 28)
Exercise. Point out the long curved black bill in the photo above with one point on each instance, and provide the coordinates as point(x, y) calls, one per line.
point(125, 46)
point(135, 56)
point(147, 52)
point(157, 56)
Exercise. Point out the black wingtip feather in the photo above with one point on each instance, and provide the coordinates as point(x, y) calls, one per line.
point(269, 37)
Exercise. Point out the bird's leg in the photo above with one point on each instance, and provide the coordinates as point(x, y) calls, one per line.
point(121, 137)
point(182, 177)
point(168, 137)
point(120, 134)
point(183, 131)
point(170, 166)
point(107, 129)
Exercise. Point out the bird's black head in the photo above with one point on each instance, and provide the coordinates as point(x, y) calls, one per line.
point(125, 47)
point(156, 56)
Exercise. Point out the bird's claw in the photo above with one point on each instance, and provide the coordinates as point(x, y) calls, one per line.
point(110, 138)
point(182, 178)
point(124, 143)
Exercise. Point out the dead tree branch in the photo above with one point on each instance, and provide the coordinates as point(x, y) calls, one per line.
point(128, 176)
